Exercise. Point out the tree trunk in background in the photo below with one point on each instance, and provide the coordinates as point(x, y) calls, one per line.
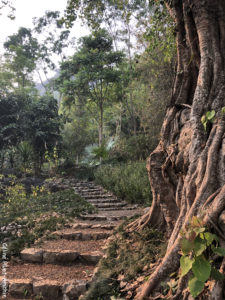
point(187, 169)
point(100, 124)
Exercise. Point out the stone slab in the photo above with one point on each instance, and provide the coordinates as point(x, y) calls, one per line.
point(32, 255)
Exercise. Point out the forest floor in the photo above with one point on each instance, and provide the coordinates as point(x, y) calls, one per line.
point(61, 265)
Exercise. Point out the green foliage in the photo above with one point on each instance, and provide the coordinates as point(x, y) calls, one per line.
point(41, 127)
point(91, 73)
point(100, 152)
point(197, 245)
point(209, 117)
point(25, 151)
point(78, 132)
point(18, 204)
point(127, 181)
point(53, 38)
point(41, 212)
point(22, 53)
point(134, 148)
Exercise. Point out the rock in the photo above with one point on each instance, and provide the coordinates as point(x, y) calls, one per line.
point(16, 260)
point(123, 284)
point(32, 255)
point(100, 235)
point(129, 295)
point(49, 289)
point(92, 257)
point(86, 236)
point(74, 290)
point(140, 279)
point(20, 287)
point(121, 277)
point(81, 226)
point(64, 256)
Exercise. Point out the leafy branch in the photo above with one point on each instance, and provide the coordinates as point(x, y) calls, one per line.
point(197, 245)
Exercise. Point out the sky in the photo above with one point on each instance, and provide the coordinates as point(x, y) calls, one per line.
point(26, 10)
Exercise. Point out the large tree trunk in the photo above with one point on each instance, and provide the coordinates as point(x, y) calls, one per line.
point(187, 169)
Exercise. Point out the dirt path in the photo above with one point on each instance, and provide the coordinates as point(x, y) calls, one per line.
point(62, 267)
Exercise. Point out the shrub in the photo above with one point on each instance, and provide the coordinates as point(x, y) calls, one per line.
point(128, 181)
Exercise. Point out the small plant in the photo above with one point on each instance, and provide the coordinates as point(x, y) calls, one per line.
point(25, 151)
point(53, 160)
point(197, 246)
point(209, 117)
point(223, 110)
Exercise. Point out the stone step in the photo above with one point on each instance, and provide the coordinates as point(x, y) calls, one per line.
point(85, 235)
point(125, 208)
point(92, 217)
point(46, 256)
point(102, 218)
point(26, 285)
point(103, 196)
point(110, 205)
point(86, 185)
point(92, 191)
point(93, 226)
point(111, 200)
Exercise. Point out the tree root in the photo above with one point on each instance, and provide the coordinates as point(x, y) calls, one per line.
point(140, 223)
point(169, 264)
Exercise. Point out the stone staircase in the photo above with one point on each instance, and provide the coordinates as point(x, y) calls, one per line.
point(62, 267)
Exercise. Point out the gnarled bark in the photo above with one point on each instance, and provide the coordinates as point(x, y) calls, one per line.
point(187, 169)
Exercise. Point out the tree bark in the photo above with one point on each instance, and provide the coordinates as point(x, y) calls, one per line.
point(187, 169)
point(101, 123)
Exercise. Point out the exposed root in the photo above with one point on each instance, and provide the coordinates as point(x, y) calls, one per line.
point(169, 264)
point(139, 224)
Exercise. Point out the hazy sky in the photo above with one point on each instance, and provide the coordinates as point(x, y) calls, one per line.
point(26, 10)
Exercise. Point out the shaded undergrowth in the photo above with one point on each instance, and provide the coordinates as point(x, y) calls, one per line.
point(128, 256)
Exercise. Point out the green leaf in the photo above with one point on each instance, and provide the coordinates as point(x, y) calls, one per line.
point(205, 125)
point(186, 246)
point(223, 110)
point(215, 274)
point(208, 237)
point(196, 286)
point(203, 119)
point(201, 269)
point(199, 230)
point(210, 114)
point(185, 264)
point(218, 250)
point(199, 246)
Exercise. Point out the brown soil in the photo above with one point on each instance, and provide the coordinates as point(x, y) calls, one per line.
point(61, 274)
point(79, 246)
